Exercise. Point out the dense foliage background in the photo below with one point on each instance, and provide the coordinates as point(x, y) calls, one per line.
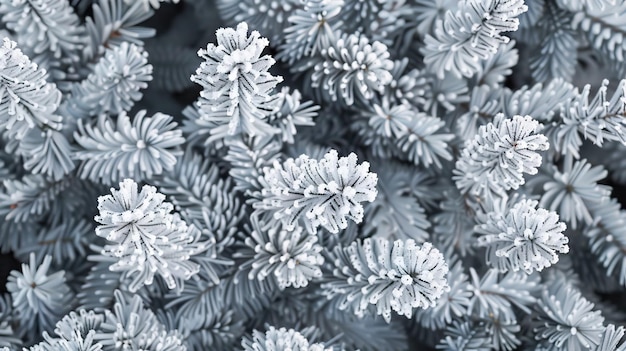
point(312, 175)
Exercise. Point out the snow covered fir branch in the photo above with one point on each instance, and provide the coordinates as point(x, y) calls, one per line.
point(322, 175)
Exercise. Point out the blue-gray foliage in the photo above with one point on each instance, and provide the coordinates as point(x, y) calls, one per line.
point(312, 175)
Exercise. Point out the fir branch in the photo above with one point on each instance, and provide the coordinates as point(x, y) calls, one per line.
point(146, 238)
point(173, 64)
point(496, 69)
point(96, 293)
point(33, 195)
point(495, 160)
point(203, 198)
point(145, 147)
point(8, 338)
point(453, 224)
point(248, 159)
point(603, 25)
point(270, 19)
point(317, 193)
point(557, 55)
point(35, 293)
point(523, 238)
point(46, 152)
point(429, 12)
point(292, 113)
point(27, 100)
point(573, 191)
point(45, 25)
point(464, 335)
point(398, 276)
point(612, 339)
point(592, 5)
point(155, 4)
point(566, 320)
point(114, 84)
point(607, 238)
point(291, 257)
point(495, 294)
point(236, 93)
point(470, 34)
point(599, 119)
point(402, 131)
point(543, 101)
point(453, 304)
point(64, 243)
point(313, 28)
point(279, 339)
point(352, 70)
point(132, 325)
point(395, 213)
point(113, 23)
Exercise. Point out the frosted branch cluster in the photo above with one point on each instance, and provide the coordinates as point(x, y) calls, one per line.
point(324, 192)
point(148, 239)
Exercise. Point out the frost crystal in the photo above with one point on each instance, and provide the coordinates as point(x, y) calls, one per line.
point(292, 113)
